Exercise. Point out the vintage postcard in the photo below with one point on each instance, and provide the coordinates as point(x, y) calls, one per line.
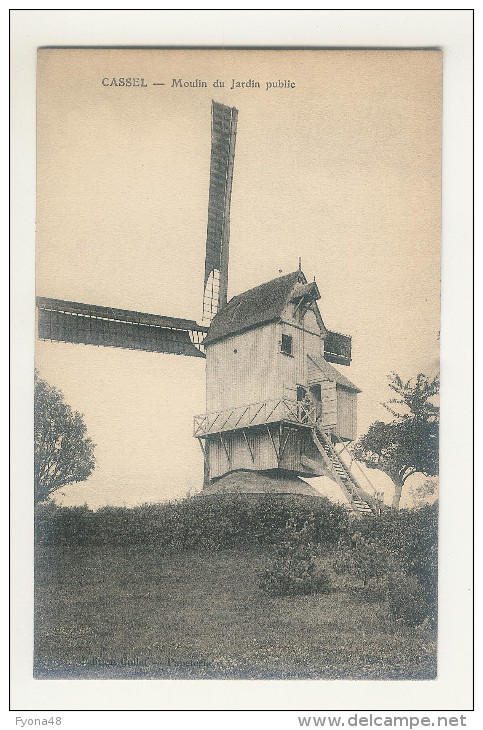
point(236, 393)
point(227, 496)
point(237, 364)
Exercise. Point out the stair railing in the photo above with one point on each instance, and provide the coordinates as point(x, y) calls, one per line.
point(353, 463)
point(360, 492)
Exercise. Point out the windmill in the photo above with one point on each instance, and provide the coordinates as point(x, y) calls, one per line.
point(276, 409)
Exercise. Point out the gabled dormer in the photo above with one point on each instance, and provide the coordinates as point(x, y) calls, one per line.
point(302, 308)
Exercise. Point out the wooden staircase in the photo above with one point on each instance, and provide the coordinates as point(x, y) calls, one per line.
point(361, 503)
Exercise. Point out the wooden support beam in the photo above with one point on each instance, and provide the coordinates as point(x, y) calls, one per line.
point(298, 306)
point(345, 449)
point(236, 424)
point(256, 414)
point(208, 428)
point(226, 420)
point(199, 425)
point(282, 448)
point(226, 450)
point(249, 447)
point(206, 462)
point(273, 444)
point(273, 410)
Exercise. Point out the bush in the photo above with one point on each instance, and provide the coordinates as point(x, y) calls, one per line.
point(365, 559)
point(407, 600)
point(410, 539)
point(294, 570)
point(214, 523)
point(396, 559)
point(370, 550)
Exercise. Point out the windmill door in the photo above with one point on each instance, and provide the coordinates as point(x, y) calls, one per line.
point(329, 403)
point(316, 397)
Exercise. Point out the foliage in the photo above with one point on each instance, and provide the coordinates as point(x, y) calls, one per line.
point(425, 493)
point(365, 559)
point(399, 553)
point(407, 600)
point(410, 537)
point(410, 443)
point(399, 449)
point(414, 397)
point(293, 570)
point(208, 523)
point(299, 531)
point(63, 452)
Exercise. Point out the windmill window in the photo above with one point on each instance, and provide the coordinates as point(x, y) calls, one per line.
point(286, 345)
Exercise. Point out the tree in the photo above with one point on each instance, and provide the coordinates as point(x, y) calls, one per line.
point(414, 398)
point(410, 443)
point(425, 493)
point(63, 452)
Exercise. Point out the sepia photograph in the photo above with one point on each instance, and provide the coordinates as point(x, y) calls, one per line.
point(237, 364)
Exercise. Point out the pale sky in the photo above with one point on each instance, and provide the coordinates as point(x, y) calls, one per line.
point(342, 170)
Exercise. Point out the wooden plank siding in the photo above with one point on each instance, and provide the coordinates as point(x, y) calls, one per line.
point(249, 366)
point(239, 369)
point(306, 339)
point(290, 369)
point(247, 369)
point(329, 404)
point(232, 452)
point(346, 413)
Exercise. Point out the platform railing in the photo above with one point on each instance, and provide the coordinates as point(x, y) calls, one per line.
point(280, 409)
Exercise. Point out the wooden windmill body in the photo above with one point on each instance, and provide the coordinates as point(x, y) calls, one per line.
point(275, 405)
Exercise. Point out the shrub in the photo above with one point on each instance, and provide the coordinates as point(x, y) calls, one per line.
point(294, 570)
point(396, 559)
point(364, 567)
point(410, 539)
point(407, 600)
point(369, 551)
point(365, 559)
point(216, 522)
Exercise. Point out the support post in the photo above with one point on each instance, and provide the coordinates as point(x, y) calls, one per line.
point(282, 448)
point(273, 444)
point(248, 445)
point(226, 451)
point(206, 462)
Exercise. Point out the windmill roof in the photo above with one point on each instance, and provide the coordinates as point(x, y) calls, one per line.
point(254, 307)
point(318, 367)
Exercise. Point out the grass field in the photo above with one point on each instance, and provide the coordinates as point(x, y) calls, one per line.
point(133, 612)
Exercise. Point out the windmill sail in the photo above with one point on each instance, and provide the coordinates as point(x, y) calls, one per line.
point(223, 136)
point(90, 324)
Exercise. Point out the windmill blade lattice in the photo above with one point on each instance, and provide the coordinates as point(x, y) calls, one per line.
point(89, 324)
point(223, 137)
